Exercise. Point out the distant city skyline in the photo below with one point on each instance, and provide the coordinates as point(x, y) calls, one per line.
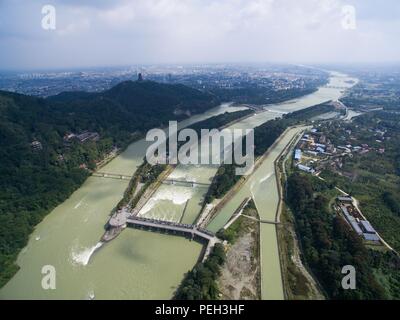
point(122, 33)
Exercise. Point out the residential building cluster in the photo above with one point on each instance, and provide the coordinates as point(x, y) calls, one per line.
point(316, 152)
point(312, 148)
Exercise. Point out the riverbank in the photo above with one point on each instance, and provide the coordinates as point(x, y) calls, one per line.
point(263, 179)
point(65, 238)
point(148, 178)
point(150, 265)
point(218, 204)
point(240, 277)
point(298, 283)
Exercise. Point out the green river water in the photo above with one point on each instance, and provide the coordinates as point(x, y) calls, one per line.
point(142, 264)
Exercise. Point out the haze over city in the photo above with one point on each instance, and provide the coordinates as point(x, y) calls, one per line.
point(111, 33)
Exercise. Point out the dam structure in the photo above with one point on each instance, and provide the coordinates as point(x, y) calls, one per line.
point(123, 218)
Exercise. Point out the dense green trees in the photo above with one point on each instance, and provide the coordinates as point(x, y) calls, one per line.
point(241, 226)
point(220, 120)
point(328, 243)
point(222, 182)
point(216, 122)
point(258, 94)
point(200, 282)
point(392, 202)
point(132, 106)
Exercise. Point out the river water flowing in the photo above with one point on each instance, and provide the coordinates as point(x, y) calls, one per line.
point(142, 264)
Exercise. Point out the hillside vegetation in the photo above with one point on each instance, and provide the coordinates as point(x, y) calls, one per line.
point(329, 243)
point(35, 180)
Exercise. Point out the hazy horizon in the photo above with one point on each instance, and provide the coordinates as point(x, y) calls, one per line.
point(139, 66)
point(146, 32)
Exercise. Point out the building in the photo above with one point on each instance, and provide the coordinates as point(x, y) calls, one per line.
point(356, 227)
point(312, 153)
point(345, 211)
point(351, 220)
point(347, 150)
point(322, 139)
point(371, 237)
point(297, 155)
point(88, 136)
point(36, 145)
point(330, 148)
point(305, 168)
point(320, 150)
point(367, 227)
point(345, 199)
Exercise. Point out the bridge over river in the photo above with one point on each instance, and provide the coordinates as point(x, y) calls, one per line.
point(175, 227)
point(124, 218)
point(185, 183)
point(119, 176)
point(112, 175)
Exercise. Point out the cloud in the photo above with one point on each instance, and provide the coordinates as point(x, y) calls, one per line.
point(159, 31)
point(75, 27)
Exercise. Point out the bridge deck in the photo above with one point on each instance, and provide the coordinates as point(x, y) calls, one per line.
point(185, 182)
point(178, 227)
point(112, 175)
point(170, 226)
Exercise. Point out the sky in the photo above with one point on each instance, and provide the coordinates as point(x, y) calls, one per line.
point(92, 33)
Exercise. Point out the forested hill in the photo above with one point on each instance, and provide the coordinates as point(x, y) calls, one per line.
point(47, 145)
point(134, 104)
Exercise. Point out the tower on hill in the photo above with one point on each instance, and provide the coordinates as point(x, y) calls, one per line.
point(140, 77)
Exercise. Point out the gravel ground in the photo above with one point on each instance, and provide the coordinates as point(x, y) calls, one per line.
point(240, 275)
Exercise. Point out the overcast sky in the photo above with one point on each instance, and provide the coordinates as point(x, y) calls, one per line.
point(128, 32)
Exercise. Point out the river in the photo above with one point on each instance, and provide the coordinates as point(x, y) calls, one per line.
point(141, 264)
point(136, 265)
point(262, 187)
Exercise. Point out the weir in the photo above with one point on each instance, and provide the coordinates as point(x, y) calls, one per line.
point(185, 183)
point(112, 175)
point(174, 227)
point(335, 87)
